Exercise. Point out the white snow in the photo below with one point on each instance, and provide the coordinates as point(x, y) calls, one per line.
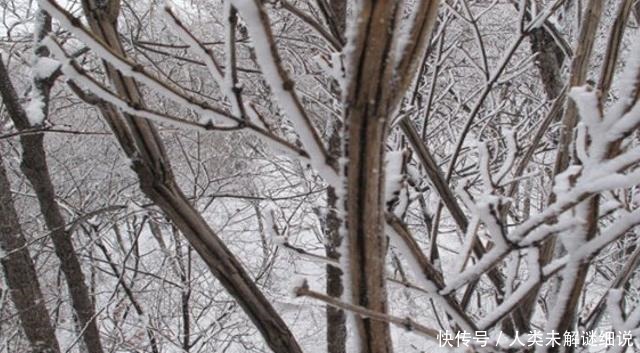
point(44, 67)
point(393, 174)
point(41, 68)
point(35, 108)
point(543, 15)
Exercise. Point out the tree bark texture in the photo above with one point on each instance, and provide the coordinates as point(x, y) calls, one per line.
point(35, 168)
point(366, 125)
point(21, 276)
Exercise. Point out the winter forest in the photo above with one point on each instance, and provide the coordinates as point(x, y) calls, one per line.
point(319, 176)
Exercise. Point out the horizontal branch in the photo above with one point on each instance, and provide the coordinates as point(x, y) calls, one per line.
point(406, 323)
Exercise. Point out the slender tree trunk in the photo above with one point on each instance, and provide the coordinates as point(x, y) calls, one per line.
point(549, 63)
point(572, 282)
point(550, 58)
point(21, 276)
point(366, 125)
point(336, 320)
point(35, 168)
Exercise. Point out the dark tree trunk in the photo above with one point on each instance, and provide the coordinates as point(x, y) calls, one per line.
point(549, 64)
point(336, 320)
point(35, 168)
point(21, 276)
point(366, 128)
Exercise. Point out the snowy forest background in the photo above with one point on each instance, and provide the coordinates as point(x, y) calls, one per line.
point(317, 175)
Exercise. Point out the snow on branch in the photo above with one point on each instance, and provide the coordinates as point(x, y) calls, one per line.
point(42, 69)
point(257, 22)
point(428, 277)
point(179, 30)
point(575, 185)
point(268, 58)
point(408, 324)
point(129, 68)
point(207, 112)
point(412, 45)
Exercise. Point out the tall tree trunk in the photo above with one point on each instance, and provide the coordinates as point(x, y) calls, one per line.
point(35, 168)
point(336, 320)
point(549, 63)
point(573, 279)
point(21, 276)
point(383, 62)
point(366, 125)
